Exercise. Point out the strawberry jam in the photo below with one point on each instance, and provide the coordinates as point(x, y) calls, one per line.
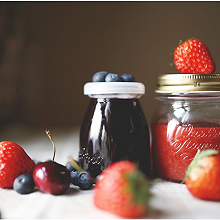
point(174, 147)
point(114, 129)
point(186, 120)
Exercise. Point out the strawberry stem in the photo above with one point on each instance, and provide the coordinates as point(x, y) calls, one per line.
point(139, 187)
point(199, 155)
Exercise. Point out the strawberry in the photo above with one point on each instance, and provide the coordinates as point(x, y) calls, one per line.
point(14, 161)
point(193, 56)
point(123, 190)
point(203, 175)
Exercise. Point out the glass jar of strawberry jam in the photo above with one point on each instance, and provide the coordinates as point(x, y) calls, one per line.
point(114, 127)
point(187, 119)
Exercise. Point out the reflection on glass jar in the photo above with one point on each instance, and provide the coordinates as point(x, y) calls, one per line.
point(187, 119)
point(114, 127)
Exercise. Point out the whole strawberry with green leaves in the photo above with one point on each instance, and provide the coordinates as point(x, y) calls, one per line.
point(193, 56)
point(203, 175)
point(14, 161)
point(122, 190)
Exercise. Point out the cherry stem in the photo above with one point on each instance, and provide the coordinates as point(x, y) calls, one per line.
point(79, 169)
point(51, 139)
point(75, 165)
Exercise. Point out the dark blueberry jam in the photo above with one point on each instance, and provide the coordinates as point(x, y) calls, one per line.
point(114, 130)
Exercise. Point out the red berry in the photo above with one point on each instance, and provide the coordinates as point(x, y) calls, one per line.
point(123, 190)
point(203, 175)
point(193, 56)
point(14, 161)
point(51, 177)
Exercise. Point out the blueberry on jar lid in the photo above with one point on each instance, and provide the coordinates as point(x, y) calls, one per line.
point(113, 77)
point(127, 77)
point(99, 76)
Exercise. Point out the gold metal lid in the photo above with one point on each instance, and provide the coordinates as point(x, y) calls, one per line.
point(172, 83)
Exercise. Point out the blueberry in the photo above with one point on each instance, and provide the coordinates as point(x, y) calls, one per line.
point(70, 167)
point(24, 184)
point(89, 173)
point(85, 181)
point(36, 161)
point(128, 77)
point(113, 77)
point(99, 76)
point(75, 178)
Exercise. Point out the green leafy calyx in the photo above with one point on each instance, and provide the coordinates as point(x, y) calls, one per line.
point(199, 155)
point(138, 187)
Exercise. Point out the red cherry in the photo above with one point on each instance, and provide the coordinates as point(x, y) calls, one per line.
point(51, 177)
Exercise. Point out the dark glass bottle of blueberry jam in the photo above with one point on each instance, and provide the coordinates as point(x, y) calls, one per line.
point(114, 127)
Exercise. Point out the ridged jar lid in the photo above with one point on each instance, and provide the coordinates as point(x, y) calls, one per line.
point(171, 83)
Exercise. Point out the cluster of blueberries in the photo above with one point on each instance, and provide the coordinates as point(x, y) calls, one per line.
point(82, 179)
point(103, 76)
point(24, 184)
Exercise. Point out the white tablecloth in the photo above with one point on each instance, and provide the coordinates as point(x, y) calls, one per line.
point(171, 200)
